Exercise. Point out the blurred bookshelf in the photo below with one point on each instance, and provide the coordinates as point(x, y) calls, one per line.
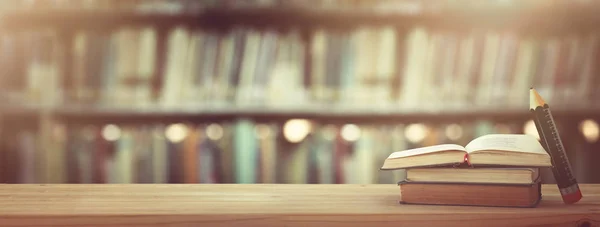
point(276, 91)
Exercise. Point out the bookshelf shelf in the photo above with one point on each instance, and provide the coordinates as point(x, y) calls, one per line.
point(78, 19)
point(268, 205)
point(95, 114)
point(551, 17)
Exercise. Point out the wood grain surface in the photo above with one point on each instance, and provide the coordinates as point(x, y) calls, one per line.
point(268, 205)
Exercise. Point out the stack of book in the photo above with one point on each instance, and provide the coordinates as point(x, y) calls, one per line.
point(492, 170)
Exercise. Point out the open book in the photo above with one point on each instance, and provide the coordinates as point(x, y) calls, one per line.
point(507, 150)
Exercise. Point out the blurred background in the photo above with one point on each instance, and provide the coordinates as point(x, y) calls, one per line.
point(283, 91)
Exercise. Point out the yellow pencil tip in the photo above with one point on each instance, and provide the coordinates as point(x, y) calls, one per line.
point(535, 99)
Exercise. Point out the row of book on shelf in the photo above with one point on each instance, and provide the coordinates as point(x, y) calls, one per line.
point(370, 67)
point(243, 151)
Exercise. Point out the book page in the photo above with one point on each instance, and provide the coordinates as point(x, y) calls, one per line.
point(426, 150)
point(506, 142)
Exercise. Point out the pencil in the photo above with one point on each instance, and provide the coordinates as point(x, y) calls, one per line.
point(550, 140)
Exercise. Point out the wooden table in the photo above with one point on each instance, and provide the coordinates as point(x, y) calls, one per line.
point(268, 205)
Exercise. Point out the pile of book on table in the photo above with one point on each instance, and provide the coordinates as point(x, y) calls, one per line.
point(492, 170)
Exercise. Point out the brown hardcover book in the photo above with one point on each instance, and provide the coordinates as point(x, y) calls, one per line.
point(465, 194)
point(190, 156)
point(103, 148)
